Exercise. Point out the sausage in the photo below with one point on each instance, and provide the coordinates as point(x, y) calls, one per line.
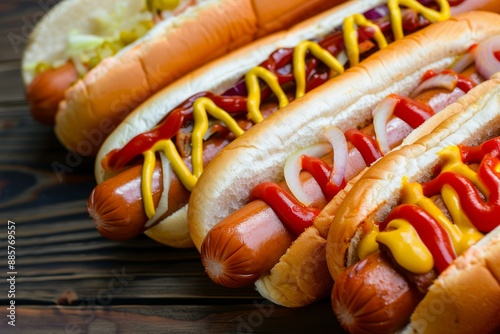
point(224, 257)
point(116, 204)
point(372, 297)
point(233, 259)
point(47, 89)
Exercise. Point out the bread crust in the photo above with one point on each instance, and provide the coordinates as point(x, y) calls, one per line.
point(464, 299)
point(301, 275)
point(202, 33)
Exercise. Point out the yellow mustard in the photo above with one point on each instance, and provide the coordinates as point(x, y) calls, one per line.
point(430, 14)
point(452, 162)
point(254, 92)
point(351, 36)
point(368, 244)
point(406, 246)
point(161, 5)
point(201, 107)
point(461, 231)
point(470, 235)
point(299, 64)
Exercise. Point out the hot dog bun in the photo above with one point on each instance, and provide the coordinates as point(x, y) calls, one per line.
point(260, 155)
point(94, 105)
point(216, 77)
point(464, 298)
point(468, 289)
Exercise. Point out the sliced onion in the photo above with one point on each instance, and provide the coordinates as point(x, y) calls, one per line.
point(293, 166)
point(163, 204)
point(239, 89)
point(211, 124)
point(381, 115)
point(486, 62)
point(79, 66)
point(340, 152)
point(342, 57)
point(446, 81)
point(376, 13)
point(463, 62)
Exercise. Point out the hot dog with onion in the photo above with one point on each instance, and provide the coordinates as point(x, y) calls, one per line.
point(234, 238)
point(229, 85)
point(427, 223)
point(127, 50)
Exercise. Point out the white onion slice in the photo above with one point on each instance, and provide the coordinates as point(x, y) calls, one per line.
point(486, 62)
point(163, 203)
point(465, 61)
point(340, 152)
point(293, 166)
point(342, 57)
point(381, 115)
point(446, 81)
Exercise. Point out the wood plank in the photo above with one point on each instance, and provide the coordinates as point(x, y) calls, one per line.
point(11, 84)
point(253, 317)
point(17, 20)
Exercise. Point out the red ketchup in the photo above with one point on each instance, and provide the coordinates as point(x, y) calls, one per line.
point(412, 112)
point(482, 211)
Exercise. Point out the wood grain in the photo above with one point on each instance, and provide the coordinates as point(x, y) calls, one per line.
point(258, 317)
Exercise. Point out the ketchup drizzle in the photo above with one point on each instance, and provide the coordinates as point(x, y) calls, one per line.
point(410, 111)
point(474, 154)
point(279, 63)
point(414, 113)
point(433, 235)
point(321, 172)
point(365, 144)
point(482, 213)
point(293, 215)
point(482, 210)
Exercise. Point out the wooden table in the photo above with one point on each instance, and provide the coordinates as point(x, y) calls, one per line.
point(68, 279)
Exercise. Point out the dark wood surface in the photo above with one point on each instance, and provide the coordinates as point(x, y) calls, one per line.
point(69, 279)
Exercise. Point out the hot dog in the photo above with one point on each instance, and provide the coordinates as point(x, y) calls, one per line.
point(298, 274)
point(228, 90)
point(125, 51)
point(278, 223)
point(65, 44)
point(441, 193)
